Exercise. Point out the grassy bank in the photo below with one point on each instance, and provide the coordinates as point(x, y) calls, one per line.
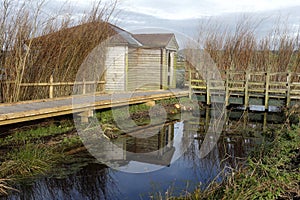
point(139, 114)
point(35, 151)
point(272, 172)
point(45, 149)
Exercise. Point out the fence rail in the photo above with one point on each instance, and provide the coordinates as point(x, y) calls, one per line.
point(267, 85)
point(51, 84)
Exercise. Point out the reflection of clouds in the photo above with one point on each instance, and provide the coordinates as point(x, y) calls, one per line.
point(178, 139)
point(98, 182)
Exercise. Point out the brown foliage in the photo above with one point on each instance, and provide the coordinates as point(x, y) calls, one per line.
point(34, 48)
point(242, 49)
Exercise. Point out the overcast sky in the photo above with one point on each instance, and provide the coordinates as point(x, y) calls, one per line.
point(185, 16)
point(191, 9)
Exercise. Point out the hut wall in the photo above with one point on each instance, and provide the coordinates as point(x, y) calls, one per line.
point(116, 68)
point(144, 69)
point(169, 71)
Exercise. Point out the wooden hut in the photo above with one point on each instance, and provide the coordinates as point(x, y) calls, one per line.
point(141, 62)
point(132, 61)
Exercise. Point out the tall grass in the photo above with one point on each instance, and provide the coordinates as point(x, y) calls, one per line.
point(241, 48)
point(29, 160)
point(36, 46)
point(4, 188)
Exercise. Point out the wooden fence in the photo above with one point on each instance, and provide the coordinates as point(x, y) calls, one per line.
point(266, 85)
point(82, 87)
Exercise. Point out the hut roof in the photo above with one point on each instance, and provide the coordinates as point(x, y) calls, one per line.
point(96, 31)
point(156, 40)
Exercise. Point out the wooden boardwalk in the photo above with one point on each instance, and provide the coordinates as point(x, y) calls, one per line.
point(266, 89)
point(246, 88)
point(81, 105)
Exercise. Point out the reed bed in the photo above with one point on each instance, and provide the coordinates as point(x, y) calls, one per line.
point(241, 48)
point(37, 45)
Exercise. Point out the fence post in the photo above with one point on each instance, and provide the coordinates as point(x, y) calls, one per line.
point(267, 89)
point(227, 87)
point(208, 99)
point(247, 78)
point(83, 86)
point(51, 87)
point(288, 89)
point(190, 83)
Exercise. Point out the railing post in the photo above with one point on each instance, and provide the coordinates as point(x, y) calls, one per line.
point(207, 118)
point(83, 86)
point(190, 83)
point(208, 99)
point(247, 78)
point(227, 87)
point(51, 87)
point(288, 89)
point(267, 89)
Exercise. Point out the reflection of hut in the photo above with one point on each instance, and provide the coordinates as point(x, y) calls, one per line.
point(147, 144)
point(154, 146)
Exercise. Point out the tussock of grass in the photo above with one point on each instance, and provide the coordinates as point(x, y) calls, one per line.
point(28, 160)
point(4, 186)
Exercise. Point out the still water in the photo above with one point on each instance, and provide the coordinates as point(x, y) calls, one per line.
point(168, 166)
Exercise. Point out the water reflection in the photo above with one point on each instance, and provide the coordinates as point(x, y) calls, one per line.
point(92, 182)
point(180, 173)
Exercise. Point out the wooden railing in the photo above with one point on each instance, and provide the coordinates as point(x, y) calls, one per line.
point(52, 85)
point(281, 85)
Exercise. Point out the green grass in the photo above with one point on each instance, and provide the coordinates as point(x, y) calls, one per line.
point(29, 160)
point(28, 153)
point(271, 172)
point(22, 137)
point(107, 116)
point(69, 143)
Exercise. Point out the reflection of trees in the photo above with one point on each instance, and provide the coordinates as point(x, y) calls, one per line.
point(92, 182)
point(95, 182)
point(229, 153)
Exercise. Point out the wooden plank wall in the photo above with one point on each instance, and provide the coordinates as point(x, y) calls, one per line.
point(144, 69)
point(116, 68)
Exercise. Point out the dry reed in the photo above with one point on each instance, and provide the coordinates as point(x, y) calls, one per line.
point(36, 46)
point(241, 48)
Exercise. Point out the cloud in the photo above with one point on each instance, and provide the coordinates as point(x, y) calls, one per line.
point(167, 9)
point(189, 9)
point(186, 16)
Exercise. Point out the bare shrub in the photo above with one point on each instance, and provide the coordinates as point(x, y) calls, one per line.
point(241, 48)
point(36, 46)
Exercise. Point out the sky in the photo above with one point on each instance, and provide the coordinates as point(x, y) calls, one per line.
point(191, 9)
point(184, 16)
